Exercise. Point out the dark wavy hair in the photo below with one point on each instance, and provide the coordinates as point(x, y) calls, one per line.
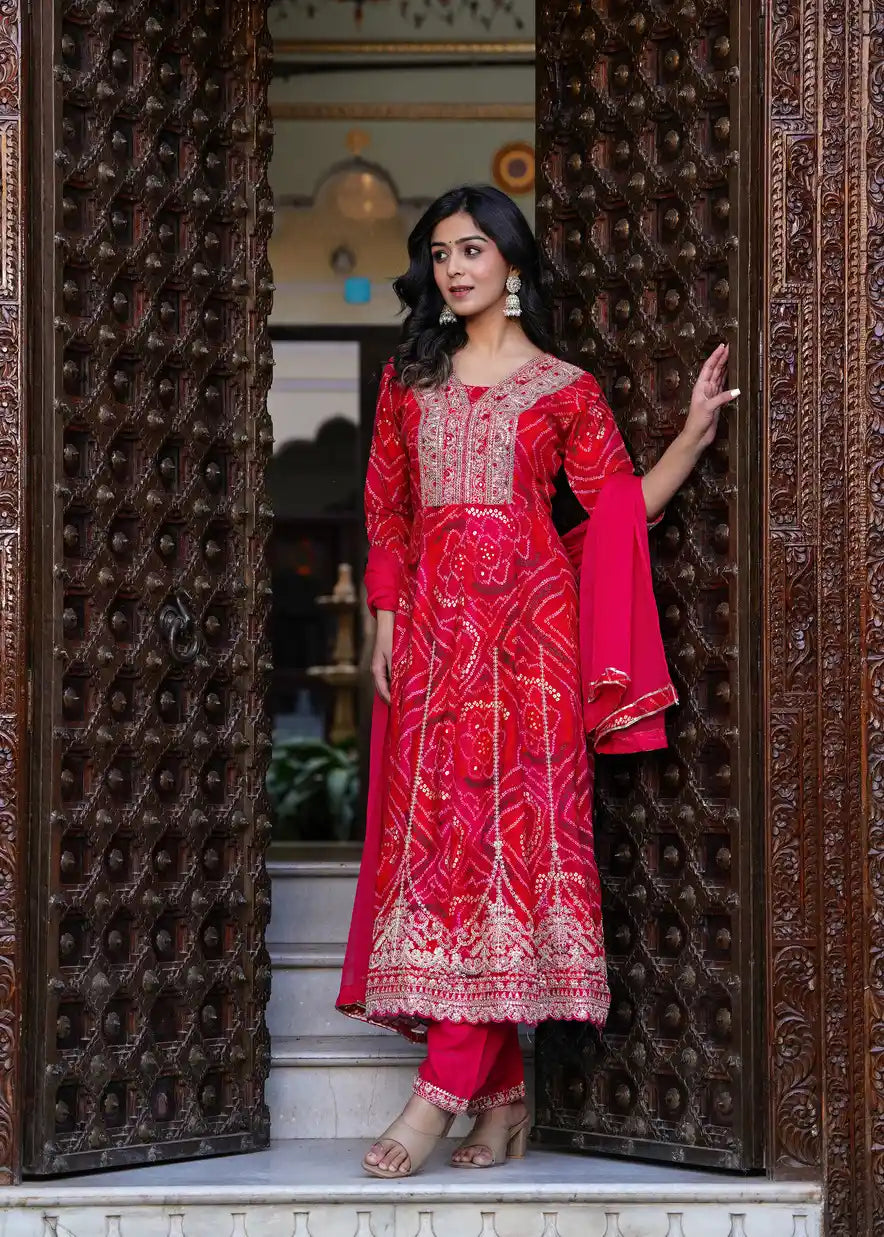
point(423, 357)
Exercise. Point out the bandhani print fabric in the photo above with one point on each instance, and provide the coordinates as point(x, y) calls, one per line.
point(484, 891)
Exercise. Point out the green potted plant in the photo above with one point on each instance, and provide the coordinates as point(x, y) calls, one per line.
point(314, 789)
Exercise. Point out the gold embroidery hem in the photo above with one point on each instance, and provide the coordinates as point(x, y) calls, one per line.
point(646, 706)
point(409, 1026)
point(496, 1099)
point(399, 998)
point(439, 1096)
point(609, 677)
point(413, 1025)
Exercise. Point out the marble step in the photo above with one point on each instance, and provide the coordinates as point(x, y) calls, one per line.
point(304, 985)
point(302, 1188)
point(345, 1086)
point(340, 1086)
point(311, 898)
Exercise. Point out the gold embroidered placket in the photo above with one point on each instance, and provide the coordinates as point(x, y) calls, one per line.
point(466, 451)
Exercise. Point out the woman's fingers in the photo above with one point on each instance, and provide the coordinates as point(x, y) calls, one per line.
point(707, 373)
point(710, 377)
point(719, 358)
point(712, 373)
point(382, 659)
point(725, 397)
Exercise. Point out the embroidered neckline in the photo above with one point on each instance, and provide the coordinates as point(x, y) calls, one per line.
point(514, 374)
point(466, 446)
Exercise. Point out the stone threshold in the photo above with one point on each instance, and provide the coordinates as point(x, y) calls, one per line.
point(315, 1188)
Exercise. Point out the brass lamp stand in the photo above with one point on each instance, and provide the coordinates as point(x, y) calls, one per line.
point(343, 673)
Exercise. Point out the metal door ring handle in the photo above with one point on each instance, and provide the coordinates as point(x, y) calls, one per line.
point(178, 625)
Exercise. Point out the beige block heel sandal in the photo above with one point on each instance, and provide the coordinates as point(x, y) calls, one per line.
point(507, 1143)
point(416, 1144)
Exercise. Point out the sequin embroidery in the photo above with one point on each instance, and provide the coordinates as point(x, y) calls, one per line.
point(466, 451)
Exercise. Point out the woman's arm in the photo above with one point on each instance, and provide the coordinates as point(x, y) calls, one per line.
point(680, 457)
point(388, 518)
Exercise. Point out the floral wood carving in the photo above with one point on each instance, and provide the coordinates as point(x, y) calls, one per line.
point(12, 695)
point(825, 512)
point(871, 474)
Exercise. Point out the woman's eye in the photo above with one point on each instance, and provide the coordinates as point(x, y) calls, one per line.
point(471, 251)
point(439, 255)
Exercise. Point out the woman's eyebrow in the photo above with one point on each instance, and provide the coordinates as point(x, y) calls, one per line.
point(461, 241)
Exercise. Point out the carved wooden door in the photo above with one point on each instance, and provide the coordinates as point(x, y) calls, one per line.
point(646, 154)
point(147, 973)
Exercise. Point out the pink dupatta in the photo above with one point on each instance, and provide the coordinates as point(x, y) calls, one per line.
point(625, 683)
point(624, 677)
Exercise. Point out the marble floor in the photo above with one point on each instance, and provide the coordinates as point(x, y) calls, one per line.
point(324, 1168)
point(316, 1188)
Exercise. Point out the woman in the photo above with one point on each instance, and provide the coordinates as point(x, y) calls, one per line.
point(478, 905)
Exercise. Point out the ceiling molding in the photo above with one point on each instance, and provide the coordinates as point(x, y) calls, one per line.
point(403, 47)
point(403, 111)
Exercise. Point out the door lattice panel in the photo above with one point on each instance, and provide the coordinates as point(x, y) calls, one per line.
point(642, 120)
point(149, 974)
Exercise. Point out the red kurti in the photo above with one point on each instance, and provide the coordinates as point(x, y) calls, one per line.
point(486, 898)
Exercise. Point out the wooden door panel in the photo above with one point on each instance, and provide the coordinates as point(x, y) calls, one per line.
point(644, 134)
point(148, 974)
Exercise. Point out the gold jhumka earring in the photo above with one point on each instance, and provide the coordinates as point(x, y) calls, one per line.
point(513, 306)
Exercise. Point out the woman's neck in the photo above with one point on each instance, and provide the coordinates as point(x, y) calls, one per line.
point(492, 336)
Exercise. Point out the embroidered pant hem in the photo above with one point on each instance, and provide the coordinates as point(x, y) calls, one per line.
point(470, 1068)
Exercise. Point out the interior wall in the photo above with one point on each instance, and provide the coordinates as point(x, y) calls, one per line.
point(427, 110)
point(439, 20)
point(314, 380)
point(422, 157)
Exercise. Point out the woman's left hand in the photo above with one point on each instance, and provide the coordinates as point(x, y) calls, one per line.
point(707, 399)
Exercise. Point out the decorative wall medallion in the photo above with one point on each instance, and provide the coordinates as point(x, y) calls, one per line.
point(513, 167)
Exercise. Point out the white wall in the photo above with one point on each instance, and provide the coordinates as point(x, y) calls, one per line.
point(313, 380)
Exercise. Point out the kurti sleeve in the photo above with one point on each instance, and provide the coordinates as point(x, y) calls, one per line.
point(594, 447)
point(388, 512)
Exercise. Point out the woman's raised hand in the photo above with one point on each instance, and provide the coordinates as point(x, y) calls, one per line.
point(680, 457)
point(707, 399)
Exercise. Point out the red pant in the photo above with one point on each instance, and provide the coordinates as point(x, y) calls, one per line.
point(470, 1068)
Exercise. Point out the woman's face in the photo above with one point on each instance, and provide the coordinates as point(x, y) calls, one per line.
point(470, 270)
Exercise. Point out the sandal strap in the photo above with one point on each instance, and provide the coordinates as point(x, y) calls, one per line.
point(417, 1144)
point(492, 1138)
point(495, 1143)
